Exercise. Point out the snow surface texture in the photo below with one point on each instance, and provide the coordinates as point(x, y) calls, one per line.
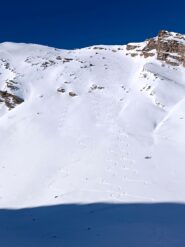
point(96, 126)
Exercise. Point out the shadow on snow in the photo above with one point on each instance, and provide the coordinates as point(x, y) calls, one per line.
point(94, 225)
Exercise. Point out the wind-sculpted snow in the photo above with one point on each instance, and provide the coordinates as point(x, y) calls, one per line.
point(90, 125)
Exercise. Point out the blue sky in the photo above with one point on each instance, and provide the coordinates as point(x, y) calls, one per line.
point(80, 23)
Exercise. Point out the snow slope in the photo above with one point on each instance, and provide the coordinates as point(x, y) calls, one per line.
point(96, 125)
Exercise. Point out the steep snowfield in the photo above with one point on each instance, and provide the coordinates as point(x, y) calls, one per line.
point(119, 138)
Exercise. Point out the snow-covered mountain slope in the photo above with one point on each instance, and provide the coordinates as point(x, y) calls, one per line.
point(99, 124)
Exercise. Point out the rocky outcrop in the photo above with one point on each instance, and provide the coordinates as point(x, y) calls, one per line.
point(167, 46)
point(10, 100)
point(171, 48)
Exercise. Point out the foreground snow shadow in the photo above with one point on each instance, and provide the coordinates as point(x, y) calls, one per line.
point(94, 225)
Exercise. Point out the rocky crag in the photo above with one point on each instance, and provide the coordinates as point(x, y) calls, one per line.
point(167, 46)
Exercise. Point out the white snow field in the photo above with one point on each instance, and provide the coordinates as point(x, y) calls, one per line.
point(95, 155)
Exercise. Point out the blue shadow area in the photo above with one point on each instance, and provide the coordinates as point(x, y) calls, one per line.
point(94, 225)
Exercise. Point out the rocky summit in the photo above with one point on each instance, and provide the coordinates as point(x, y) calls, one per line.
point(167, 46)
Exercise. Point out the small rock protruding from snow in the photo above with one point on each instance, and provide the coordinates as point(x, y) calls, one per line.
point(61, 90)
point(72, 94)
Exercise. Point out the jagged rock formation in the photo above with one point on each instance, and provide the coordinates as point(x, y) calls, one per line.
point(167, 46)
